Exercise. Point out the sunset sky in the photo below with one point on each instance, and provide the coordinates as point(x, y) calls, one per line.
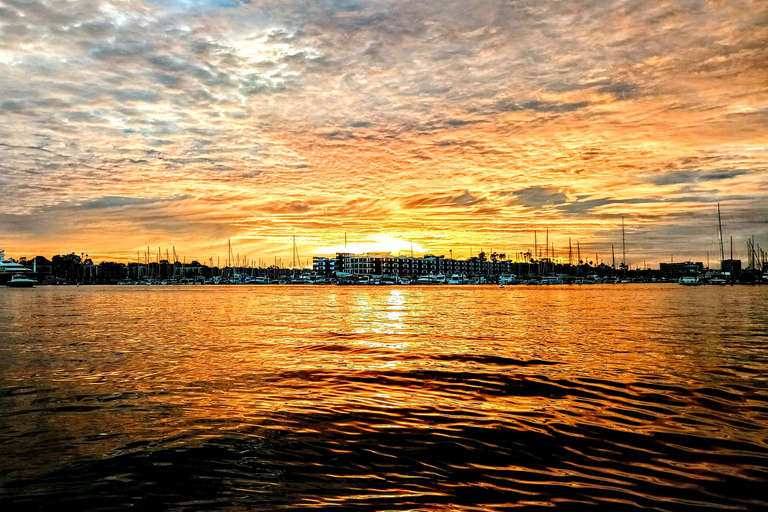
point(438, 124)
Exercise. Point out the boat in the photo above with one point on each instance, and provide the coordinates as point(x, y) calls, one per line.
point(507, 279)
point(388, 280)
point(689, 280)
point(719, 278)
point(9, 269)
point(458, 279)
point(551, 279)
point(21, 281)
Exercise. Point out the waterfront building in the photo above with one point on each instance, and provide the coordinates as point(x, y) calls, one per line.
point(731, 268)
point(682, 269)
point(322, 265)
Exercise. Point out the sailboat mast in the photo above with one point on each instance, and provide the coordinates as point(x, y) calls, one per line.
point(294, 253)
point(623, 244)
point(720, 228)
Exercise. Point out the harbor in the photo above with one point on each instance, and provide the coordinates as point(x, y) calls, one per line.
point(385, 269)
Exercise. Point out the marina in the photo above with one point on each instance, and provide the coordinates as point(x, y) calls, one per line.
point(386, 269)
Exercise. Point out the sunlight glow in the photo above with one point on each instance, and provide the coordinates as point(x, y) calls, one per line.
point(382, 243)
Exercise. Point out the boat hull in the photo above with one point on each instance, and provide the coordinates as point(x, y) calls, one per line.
point(20, 284)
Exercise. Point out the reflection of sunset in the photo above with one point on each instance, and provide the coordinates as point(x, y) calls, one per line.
point(214, 365)
point(402, 124)
point(397, 391)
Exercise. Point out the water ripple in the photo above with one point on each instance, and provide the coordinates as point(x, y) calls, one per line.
point(383, 399)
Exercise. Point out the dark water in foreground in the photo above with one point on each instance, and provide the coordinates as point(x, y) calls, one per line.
point(375, 398)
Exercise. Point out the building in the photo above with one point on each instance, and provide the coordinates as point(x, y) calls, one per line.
point(683, 269)
point(324, 266)
point(731, 267)
point(384, 263)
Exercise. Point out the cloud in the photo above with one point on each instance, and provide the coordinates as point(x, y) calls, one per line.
point(679, 177)
point(541, 106)
point(137, 95)
point(119, 202)
point(539, 197)
point(461, 200)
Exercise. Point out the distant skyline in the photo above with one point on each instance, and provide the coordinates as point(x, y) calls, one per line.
point(442, 125)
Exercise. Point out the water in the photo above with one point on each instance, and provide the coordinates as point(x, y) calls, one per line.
point(383, 398)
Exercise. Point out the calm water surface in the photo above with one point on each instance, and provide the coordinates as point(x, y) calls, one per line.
point(384, 398)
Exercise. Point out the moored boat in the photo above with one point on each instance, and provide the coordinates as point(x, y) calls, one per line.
point(458, 279)
point(21, 281)
point(9, 268)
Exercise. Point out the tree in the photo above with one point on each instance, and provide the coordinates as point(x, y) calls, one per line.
point(66, 266)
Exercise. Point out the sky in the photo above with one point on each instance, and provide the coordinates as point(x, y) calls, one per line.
point(439, 125)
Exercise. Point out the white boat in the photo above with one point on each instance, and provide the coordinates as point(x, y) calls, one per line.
point(458, 279)
point(552, 280)
point(507, 279)
point(388, 280)
point(21, 281)
point(9, 269)
point(689, 280)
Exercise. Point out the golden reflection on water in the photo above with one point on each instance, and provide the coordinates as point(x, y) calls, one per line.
point(121, 365)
